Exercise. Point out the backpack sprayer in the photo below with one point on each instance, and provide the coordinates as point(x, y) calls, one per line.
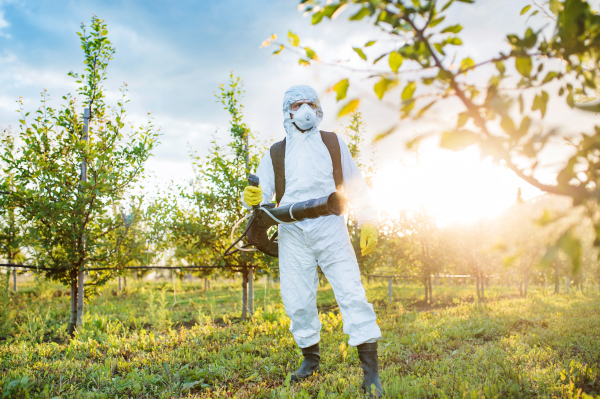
point(265, 216)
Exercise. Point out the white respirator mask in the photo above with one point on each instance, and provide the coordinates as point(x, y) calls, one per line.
point(304, 117)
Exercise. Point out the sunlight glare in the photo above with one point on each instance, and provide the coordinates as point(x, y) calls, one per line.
point(451, 186)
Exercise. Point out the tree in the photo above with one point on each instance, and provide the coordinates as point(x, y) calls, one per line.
point(12, 227)
point(67, 179)
point(505, 120)
point(202, 226)
point(354, 132)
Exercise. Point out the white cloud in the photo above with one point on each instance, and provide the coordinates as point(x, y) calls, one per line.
point(3, 24)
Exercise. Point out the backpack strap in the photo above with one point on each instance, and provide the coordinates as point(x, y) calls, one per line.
point(278, 159)
point(333, 146)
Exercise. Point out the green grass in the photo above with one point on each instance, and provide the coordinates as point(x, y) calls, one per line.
point(148, 341)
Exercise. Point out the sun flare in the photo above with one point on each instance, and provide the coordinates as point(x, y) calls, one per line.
point(451, 186)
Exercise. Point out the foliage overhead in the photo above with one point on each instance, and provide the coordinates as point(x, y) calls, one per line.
point(503, 116)
point(76, 223)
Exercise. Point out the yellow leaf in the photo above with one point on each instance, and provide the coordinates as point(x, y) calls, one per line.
point(349, 107)
point(341, 88)
point(293, 39)
point(395, 60)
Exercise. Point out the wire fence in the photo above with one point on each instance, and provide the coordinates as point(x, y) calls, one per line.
point(241, 268)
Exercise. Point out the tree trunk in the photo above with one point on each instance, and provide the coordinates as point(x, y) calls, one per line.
point(526, 283)
point(521, 287)
point(430, 289)
point(119, 279)
point(556, 280)
point(15, 288)
point(80, 295)
point(250, 292)
point(205, 283)
point(568, 285)
point(390, 290)
point(482, 286)
point(73, 320)
point(245, 294)
point(125, 281)
point(426, 290)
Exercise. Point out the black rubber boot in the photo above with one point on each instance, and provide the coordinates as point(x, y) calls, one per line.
point(310, 364)
point(367, 353)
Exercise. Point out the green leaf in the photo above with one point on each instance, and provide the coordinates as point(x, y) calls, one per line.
point(589, 107)
point(384, 85)
point(350, 107)
point(317, 17)
point(452, 29)
point(466, 63)
point(370, 43)
point(341, 88)
point(440, 47)
point(524, 65)
point(303, 62)
point(551, 75)
point(395, 61)
point(523, 129)
point(507, 125)
point(500, 67)
point(379, 58)
point(455, 41)
point(539, 102)
point(436, 21)
point(408, 91)
point(360, 53)
point(458, 139)
point(311, 54)
point(293, 39)
point(463, 118)
point(425, 108)
point(360, 14)
point(448, 4)
point(386, 133)
point(525, 9)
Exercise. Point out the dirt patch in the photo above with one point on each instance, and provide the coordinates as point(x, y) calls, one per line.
point(523, 324)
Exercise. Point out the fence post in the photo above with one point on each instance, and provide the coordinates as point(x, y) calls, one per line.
point(251, 291)
point(80, 274)
point(450, 281)
point(15, 288)
point(244, 293)
point(568, 284)
point(390, 293)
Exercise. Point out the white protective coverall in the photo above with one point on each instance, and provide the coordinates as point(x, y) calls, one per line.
point(323, 241)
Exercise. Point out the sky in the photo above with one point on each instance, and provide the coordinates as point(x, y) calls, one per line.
point(173, 56)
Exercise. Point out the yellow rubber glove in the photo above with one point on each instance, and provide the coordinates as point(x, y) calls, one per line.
point(368, 238)
point(253, 195)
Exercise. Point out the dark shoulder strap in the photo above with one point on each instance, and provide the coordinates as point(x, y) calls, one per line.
point(333, 145)
point(278, 159)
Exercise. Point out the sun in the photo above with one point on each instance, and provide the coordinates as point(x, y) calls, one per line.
point(452, 186)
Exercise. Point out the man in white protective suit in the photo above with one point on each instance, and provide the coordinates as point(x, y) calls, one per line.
point(324, 241)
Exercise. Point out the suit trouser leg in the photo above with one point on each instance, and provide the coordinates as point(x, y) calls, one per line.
point(299, 283)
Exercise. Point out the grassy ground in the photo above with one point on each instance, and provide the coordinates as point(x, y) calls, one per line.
point(149, 341)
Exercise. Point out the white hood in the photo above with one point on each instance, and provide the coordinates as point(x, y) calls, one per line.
point(297, 93)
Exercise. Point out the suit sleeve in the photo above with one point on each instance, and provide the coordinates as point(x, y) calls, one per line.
point(356, 188)
point(266, 176)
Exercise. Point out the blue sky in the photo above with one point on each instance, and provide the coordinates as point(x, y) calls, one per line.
point(173, 54)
